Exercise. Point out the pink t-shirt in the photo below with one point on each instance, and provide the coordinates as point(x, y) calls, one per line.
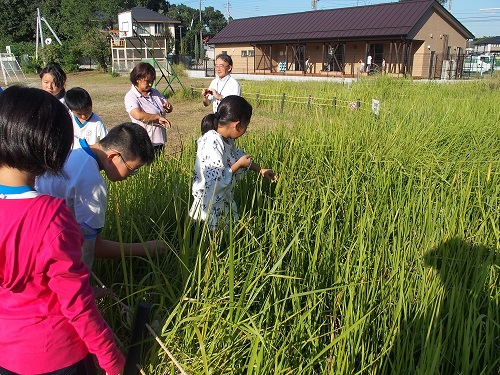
point(48, 316)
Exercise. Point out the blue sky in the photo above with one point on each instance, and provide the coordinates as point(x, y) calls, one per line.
point(481, 17)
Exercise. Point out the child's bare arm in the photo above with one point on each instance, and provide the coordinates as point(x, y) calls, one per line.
point(242, 162)
point(264, 172)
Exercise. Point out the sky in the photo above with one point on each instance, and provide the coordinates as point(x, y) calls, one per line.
point(480, 17)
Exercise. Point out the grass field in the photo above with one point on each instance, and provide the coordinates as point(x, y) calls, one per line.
point(376, 253)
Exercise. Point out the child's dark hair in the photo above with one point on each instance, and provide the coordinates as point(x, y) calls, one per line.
point(36, 132)
point(131, 140)
point(58, 73)
point(209, 122)
point(231, 108)
point(78, 99)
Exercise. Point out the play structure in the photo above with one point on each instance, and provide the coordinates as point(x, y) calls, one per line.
point(11, 70)
point(138, 40)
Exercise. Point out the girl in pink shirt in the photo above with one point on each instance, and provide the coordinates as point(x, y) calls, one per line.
point(49, 321)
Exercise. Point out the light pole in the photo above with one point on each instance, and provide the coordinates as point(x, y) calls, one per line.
point(201, 35)
point(180, 39)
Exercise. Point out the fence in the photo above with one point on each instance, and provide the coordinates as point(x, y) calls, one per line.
point(428, 65)
point(207, 65)
point(280, 102)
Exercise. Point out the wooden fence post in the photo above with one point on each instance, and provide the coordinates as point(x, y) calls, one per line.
point(134, 353)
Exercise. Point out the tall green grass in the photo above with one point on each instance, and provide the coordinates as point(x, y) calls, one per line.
point(376, 252)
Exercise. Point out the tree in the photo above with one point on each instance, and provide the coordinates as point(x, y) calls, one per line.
point(79, 24)
point(96, 44)
point(211, 23)
point(214, 20)
point(189, 26)
point(83, 25)
point(18, 20)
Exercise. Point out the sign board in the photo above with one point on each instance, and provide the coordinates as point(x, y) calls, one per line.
point(375, 106)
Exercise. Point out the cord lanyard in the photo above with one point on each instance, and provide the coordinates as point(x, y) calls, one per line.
point(224, 85)
point(153, 101)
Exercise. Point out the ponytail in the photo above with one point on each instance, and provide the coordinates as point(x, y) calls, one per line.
point(231, 108)
point(209, 122)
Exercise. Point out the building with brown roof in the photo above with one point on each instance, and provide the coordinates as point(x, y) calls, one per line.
point(418, 38)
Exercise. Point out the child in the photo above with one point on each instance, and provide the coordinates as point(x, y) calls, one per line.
point(219, 164)
point(53, 80)
point(49, 321)
point(119, 154)
point(86, 124)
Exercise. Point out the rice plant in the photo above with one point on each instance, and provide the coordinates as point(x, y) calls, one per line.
point(377, 251)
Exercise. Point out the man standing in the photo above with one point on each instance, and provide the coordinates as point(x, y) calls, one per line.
point(223, 85)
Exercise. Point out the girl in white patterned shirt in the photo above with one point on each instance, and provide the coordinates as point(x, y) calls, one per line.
point(219, 163)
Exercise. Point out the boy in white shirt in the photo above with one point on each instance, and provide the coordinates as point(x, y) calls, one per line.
point(119, 155)
point(86, 124)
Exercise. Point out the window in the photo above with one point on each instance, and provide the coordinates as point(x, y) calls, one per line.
point(159, 28)
point(251, 53)
point(377, 52)
point(243, 53)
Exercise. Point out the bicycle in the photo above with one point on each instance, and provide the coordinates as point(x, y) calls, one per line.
point(375, 70)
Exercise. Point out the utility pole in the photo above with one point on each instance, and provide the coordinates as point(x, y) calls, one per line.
point(314, 4)
point(449, 5)
point(227, 10)
point(180, 39)
point(201, 35)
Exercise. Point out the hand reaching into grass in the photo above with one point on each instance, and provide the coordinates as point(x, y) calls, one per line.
point(156, 247)
point(270, 174)
point(245, 161)
point(112, 249)
point(264, 172)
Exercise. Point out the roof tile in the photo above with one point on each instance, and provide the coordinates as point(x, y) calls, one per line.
point(395, 19)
